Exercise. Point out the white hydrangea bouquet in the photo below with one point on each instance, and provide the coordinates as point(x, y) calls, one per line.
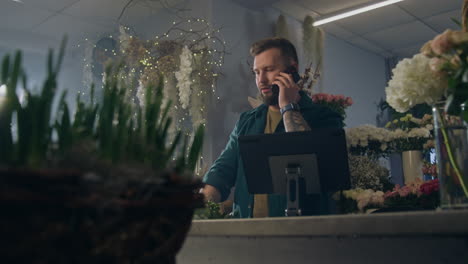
point(414, 83)
point(369, 140)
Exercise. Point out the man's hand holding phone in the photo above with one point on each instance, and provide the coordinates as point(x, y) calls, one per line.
point(288, 91)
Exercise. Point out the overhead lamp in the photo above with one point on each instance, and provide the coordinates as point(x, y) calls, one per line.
point(355, 12)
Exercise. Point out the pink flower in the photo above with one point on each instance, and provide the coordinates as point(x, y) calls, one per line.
point(436, 64)
point(430, 187)
point(349, 101)
point(442, 43)
point(403, 192)
point(427, 50)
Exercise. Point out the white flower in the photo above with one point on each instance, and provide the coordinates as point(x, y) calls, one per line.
point(141, 94)
point(361, 135)
point(414, 83)
point(183, 77)
point(369, 198)
point(419, 132)
point(124, 38)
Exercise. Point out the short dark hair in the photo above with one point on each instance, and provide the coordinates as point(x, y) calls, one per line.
point(285, 46)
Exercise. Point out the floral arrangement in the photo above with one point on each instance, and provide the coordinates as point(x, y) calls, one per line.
point(414, 195)
point(369, 140)
point(448, 55)
point(337, 103)
point(414, 83)
point(183, 77)
point(409, 121)
point(366, 173)
point(429, 169)
point(436, 74)
point(358, 200)
point(410, 133)
point(413, 139)
point(188, 57)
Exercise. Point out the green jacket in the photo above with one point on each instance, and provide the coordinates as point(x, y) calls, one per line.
point(228, 171)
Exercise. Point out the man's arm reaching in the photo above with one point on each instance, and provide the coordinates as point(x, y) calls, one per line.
point(211, 194)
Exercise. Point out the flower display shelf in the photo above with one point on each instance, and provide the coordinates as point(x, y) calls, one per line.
point(52, 216)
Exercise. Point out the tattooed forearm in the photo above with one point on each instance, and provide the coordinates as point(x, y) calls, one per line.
point(293, 121)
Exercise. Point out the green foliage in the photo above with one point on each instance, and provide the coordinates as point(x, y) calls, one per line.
point(457, 92)
point(117, 131)
point(210, 211)
point(417, 111)
point(32, 118)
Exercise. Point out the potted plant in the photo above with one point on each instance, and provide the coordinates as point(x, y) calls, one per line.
point(103, 186)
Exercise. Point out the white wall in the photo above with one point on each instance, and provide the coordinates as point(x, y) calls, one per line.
point(356, 73)
point(348, 70)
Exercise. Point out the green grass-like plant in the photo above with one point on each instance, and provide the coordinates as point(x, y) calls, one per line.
point(117, 130)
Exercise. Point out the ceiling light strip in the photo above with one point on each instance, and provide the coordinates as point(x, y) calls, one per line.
point(355, 12)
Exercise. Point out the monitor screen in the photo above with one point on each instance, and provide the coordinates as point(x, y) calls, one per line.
point(321, 151)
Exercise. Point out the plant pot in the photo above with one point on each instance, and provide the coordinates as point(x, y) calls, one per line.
point(65, 217)
point(451, 136)
point(412, 165)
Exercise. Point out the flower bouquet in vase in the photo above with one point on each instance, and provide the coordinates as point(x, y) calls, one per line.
point(409, 136)
point(337, 103)
point(439, 76)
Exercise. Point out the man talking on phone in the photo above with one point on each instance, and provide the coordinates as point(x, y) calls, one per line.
point(285, 109)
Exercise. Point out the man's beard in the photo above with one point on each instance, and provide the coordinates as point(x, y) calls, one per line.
point(270, 99)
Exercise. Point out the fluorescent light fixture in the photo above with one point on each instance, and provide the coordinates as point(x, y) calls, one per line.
point(355, 12)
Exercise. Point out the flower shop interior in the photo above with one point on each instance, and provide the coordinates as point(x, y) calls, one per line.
point(114, 110)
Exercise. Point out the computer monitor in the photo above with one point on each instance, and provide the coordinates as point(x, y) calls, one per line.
point(321, 153)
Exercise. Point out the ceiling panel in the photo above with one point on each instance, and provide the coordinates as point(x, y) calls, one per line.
point(102, 10)
point(51, 5)
point(60, 25)
point(366, 44)
point(376, 20)
point(442, 21)
point(427, 8)
point(402, 35)
point(325, 7)
point(408, 51)
point(19, 16)
point(107, 12)
point(257, 4)
point(337, 31)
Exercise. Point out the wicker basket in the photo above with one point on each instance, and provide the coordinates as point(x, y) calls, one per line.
point(63, 217)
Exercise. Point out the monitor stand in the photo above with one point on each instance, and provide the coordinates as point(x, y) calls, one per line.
point(296, 176)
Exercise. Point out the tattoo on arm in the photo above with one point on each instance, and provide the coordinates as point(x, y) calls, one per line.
point(293, 122)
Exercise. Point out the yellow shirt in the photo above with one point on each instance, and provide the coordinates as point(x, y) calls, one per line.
point(261, 200)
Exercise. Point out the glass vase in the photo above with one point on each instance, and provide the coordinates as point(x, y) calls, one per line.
point(412, 165)
point(452, 158)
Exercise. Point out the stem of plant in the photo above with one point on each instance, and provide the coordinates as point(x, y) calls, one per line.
point(451, 158)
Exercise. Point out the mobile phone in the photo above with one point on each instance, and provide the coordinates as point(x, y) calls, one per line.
point(290, 70)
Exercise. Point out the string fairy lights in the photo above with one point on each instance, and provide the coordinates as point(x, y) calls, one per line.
point(147, 60)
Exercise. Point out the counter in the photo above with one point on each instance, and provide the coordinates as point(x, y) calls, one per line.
point(410, 237)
